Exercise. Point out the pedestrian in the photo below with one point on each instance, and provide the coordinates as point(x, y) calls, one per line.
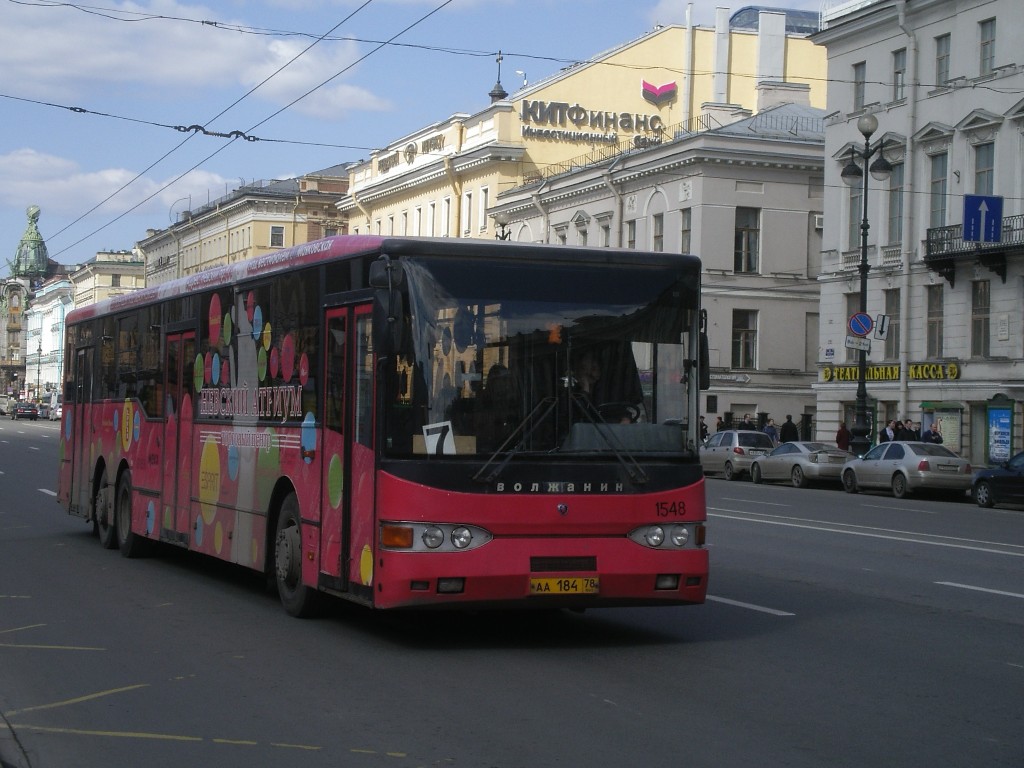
point(703, 430)
point(747, 423)
point(888, 432)
point(905, 431)
point(719, 424)
point(932, 434)
point(788, 433)
point(843, 437)
point(772, 431)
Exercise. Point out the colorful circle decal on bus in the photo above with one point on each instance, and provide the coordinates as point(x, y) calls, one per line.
point(335, 481)
point(197, 373)
point(257, 323)
point(288, 358)
point(366, 565)
point(209, 480)
point(136, 425)
point(199, 531)
point(150, 518)
point(67, 424)
point(233, 462)
point(268, 468)
point(228, 330)
point(214, 369)
point(207, 367)
point(250, 306)
point(225, 371)
point(218, 537)
point(261, 363)
point(266, 336)
point(214, 318)
point(303, 369)
point(126, 425)
point(275, 362)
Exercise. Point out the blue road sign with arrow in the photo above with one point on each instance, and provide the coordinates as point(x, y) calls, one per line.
point(983, 218)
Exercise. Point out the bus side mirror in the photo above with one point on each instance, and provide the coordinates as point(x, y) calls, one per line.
point(705, 352)
point(387, 277)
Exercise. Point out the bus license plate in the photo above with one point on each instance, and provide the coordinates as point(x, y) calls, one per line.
point(576, 585)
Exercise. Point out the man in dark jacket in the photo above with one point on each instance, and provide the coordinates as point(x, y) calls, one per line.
point(788, 431)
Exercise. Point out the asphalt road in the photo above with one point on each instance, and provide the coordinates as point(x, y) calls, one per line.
point(840, 631)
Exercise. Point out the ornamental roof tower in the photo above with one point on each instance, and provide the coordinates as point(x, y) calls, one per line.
point(31, 259)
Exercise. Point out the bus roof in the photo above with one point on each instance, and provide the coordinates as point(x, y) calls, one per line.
point(351, 246)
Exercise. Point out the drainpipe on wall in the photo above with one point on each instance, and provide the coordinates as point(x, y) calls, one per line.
point(456, 185)
point(363, 210)
point(907, 241)
point(617, 215)
point(295, 218)
point(543, 213)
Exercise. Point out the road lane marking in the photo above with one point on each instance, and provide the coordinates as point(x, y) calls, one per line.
point(980, 589)
point(869, 532)
point(765, 503)
point(47, 491)
point(79, 700)
point(749, 606)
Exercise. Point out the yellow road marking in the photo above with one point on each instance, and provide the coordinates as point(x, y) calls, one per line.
point(78, 700)
point(51, 647)
point(21, 629)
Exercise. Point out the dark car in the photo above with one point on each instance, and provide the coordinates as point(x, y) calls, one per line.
point(1000, 483)
point(25, 411)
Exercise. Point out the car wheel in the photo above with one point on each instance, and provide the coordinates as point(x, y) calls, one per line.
point(799, 481)
point(983, 494)
point(849, 481)
point(755, 474)
point(728, 472)
point(899, 486)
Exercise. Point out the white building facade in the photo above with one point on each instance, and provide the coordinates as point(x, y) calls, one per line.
point(747, 198)
point(945, 80)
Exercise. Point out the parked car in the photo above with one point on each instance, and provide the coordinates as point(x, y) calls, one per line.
point(905, 466)
point(56, 412)
point(731, 451)
point(801, 463)
point(23, 410)
point(1000, 483)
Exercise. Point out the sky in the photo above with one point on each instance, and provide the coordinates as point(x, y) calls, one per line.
point(94, 95)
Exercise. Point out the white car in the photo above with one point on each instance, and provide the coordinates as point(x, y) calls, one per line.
point(907, 466)
point(801, 463)
point(731, 451)
point(56, 412)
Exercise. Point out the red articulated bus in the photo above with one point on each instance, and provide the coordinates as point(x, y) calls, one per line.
point(404, 423)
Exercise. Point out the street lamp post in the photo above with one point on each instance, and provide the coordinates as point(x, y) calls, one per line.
point(502, 231)
point(853, 175)
point(39, 363)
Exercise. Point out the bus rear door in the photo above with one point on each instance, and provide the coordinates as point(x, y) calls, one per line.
point(177, 453)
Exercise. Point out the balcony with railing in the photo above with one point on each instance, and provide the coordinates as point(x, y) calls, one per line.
point(945, 247)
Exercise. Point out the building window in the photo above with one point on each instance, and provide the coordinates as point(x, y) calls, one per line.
point(935, 298)
point(391, 224)
point(859, 85)
point(744, 338)
point(984, 168)
point(417, 221)
point(980, 306)
point(685, 231)
point(467, 213)
point(482, 218)
point(899, 74)
point(937, 190)
point(446, 217)
point(987, 47)
point(431, 214)
point(892, 311)
point(277, 237)
point(854, 219)
point(631, 234)
point(942, 60)
point(606, 235)
point(658, 233)
point(896, 204)
point(745, 254)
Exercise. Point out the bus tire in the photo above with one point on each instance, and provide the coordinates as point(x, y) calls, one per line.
point(106, 524)
point(298, 600)
point(130, 544)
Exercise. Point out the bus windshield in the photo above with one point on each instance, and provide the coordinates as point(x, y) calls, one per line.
point(561, 358)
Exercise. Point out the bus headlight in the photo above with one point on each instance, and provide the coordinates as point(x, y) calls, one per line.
point(462, 537)
point(679, 536)
point(655, 535)
point(433, 537)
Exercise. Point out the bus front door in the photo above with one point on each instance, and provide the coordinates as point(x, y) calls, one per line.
point(177, 454)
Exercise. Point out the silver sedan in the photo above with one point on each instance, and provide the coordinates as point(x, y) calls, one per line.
point(801, 463)
point(906, 466)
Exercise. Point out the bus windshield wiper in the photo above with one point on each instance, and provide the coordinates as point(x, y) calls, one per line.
point(629, 463)
point(548, 404)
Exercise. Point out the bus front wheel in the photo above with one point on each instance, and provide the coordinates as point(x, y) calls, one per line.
point(297, 599)
point(103, 514)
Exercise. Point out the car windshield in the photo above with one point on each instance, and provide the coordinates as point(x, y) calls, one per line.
point(544, 357)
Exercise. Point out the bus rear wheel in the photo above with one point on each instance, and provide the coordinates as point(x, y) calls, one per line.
point(297, 599)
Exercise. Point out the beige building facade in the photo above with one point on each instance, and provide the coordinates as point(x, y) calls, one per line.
point(442, 180)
